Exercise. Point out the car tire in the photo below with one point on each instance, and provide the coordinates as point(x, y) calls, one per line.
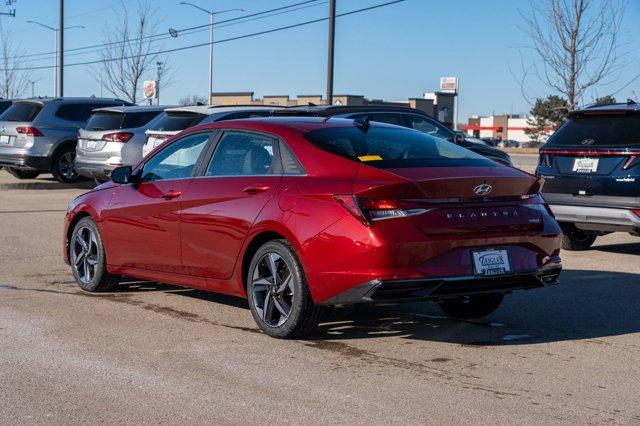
point(574, 239)
point(23, 174)
point(87, 258)
point(62, 165)
point(282, 307)
point(471, 307)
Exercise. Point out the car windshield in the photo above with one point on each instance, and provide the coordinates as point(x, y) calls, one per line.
point(387, 147)
point(21, 111)
point(599, 130)
point(171, 121)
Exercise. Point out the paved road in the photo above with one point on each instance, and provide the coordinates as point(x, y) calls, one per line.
point(155, 353)
point(527, 162)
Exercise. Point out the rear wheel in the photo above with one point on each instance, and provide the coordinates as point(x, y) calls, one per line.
point(278, 294)
point(470, 307)
point(575, 239)
point(87, 258)
point(23, 174)
point(62, 166)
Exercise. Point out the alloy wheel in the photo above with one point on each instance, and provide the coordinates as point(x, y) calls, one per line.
point(84, 254)
point(272, 289)
point(65, 165)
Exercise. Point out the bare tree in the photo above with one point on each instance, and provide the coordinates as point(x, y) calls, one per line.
point(128, 58)
point(193, 100)
point(14, 81)
point(577, 45)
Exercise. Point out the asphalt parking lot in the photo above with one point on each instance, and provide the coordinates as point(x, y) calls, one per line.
point(155, 353)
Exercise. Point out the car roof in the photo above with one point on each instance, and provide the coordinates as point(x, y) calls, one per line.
point(135, 108)
point(213, 109)
point(328, 110)
point(298, 124)
point(629, 106)
point(46, 100)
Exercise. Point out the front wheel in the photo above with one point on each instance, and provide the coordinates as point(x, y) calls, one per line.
point(575, 239)
point(471, 307)
point(23, 174)
point(62, 167)
point(278, 294)
point(87, 258)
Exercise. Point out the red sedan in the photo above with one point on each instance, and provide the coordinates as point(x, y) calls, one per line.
point(296, 213)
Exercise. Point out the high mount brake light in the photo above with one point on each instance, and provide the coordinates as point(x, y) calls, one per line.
point(369, 210)
point(29, 131)
point(117, 137)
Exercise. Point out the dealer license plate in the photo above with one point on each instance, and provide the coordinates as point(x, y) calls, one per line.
point(491, 262)
point(585, 165)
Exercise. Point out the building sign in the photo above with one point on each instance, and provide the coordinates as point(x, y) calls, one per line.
point(449, 84)
point(149, 89)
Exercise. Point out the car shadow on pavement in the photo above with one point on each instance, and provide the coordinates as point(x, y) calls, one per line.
point(587, 305)
point(46, 183)
point(633, 248)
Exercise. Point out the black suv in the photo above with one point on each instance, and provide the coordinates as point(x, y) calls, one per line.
point(400, 116)
point(591, 167)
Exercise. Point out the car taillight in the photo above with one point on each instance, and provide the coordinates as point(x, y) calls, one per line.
point(29, 131)
point(117, 137)
point(369, 210)
point(636, 212)
point(631, 161)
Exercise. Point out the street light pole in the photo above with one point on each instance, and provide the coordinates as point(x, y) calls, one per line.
point(331, 44)
point(61, 51)
point(55, 57)
point(211, 14)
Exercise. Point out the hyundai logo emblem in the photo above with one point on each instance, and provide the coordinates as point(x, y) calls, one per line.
point(588, 142)
point(482, 189)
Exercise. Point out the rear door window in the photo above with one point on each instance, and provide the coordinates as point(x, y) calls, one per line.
point(428, 126)
point(598, 130)
point(386, 147)
point(21, 111)
point(243, 154)
point(173, 121)
point(389, 118)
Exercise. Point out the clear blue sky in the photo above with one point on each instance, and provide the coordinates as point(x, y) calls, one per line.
point(392, 53)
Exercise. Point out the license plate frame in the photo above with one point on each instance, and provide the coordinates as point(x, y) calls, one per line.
point(491, 262)
point(585, 165)
point(6, 140)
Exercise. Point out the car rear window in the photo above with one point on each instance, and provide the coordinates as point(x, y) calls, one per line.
point(105, 121)
point(599, 130)
point(176, 120)
point(21, 111)
point(386, 147)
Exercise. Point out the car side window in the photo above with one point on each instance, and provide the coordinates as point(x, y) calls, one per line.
point(388, 118)
point(428, 126)
point(177, 160)
point(243, 154)
point(76, 112)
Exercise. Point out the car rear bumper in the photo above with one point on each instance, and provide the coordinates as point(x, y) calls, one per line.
point(598, 218)
point(384, 291)
point(25, 162)
point(94, 170)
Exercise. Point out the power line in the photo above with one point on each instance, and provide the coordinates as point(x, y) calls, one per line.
point(189, 31)
point(164, 34)
point(194, 46)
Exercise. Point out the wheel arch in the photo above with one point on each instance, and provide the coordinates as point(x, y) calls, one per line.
point(252, 247)
point(65, 143)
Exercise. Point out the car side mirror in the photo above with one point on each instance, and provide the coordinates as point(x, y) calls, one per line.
point(123, 175)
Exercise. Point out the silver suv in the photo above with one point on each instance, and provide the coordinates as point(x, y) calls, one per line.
point(112, 137)
point(174, 120)
point(39, 135)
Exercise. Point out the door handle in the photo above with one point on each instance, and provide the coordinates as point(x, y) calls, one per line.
point(170, 195)
point(255, 189)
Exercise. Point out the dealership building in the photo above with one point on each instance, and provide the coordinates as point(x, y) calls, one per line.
point(500, 127)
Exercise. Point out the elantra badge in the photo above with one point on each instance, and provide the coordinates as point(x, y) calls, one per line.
point(588, 142)
point(482, 189)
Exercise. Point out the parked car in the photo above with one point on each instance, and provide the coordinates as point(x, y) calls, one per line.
point(39, 135)
point(175, 120)
point(297, 213)
point(400, 116)
point(112, 137)
point(5, 104)
point(508, 143)
point(591, 166)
